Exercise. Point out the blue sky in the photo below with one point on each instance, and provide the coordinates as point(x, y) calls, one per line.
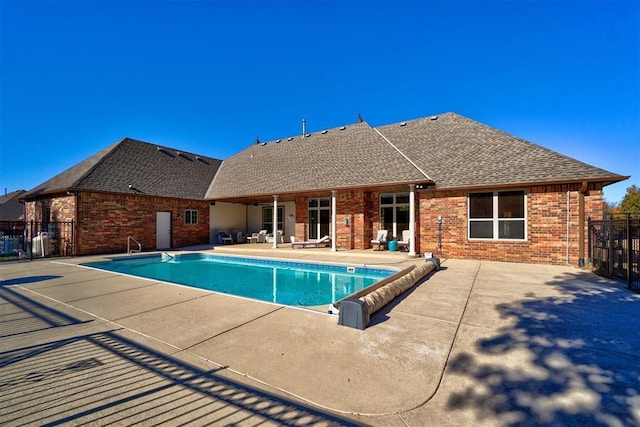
point(210, 76)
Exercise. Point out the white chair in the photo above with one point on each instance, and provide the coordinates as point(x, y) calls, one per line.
point(257, 237)
point(279, 238)
point(381, 238)
point(406, 237)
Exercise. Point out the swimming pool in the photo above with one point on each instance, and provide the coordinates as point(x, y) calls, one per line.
point(282, 282)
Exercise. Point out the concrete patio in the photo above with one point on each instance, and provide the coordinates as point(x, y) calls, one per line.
point(482, 343)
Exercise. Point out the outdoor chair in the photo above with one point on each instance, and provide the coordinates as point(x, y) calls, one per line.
point(224, 238)
point(406, 237)
point(316, 242)
point(381, 239)
point(279, 239)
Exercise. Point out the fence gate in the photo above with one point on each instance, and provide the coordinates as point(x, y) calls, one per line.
point(20, 239)
point(614, 248)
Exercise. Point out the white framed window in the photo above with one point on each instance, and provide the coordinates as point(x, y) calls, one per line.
point(394, 213)
point(498, 215)
point(267, 219)
point(191, 217)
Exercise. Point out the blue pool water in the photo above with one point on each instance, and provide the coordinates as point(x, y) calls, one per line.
point(282, 282)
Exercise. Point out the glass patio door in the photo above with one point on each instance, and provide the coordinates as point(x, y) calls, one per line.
point(319, 218)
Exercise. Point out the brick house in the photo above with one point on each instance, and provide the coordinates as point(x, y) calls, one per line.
point(459, 188)
point(154, 194)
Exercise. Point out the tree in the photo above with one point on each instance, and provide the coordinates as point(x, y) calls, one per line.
point(631, 201)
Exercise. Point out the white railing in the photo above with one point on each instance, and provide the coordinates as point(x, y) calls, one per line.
point(129, 250)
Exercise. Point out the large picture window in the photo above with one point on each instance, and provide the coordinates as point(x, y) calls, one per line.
point(497, 215)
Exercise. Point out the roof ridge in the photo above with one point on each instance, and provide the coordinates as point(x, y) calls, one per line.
point(402, 154)
point(107, 153)
point(322, 131)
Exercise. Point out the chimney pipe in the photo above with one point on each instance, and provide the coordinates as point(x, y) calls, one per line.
point(304, 126)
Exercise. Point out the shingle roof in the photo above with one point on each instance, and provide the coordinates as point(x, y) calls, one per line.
point(10, 208)
point(343, 157)
point(150, 169)
point(451, 150)
point(457, 152)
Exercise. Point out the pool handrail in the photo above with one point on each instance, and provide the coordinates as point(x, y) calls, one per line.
point(129, 250)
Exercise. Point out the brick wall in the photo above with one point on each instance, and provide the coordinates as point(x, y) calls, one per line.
point(550, 230)
point(356, 206)
point(63, 208)
point(105, 221)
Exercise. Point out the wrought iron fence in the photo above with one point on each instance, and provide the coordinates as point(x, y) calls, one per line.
point(614, 248)
point(19, 239)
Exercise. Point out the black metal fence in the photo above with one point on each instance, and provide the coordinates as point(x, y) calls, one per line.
point(19, 239)
point(614, 248)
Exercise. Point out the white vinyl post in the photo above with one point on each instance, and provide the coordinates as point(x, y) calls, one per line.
point(275, 222)
point(412, 220)
point(334, 224)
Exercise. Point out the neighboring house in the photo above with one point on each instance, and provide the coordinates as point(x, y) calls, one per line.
point(11, 222)
point(10, 207)
point(462, 189)
point(152, 193)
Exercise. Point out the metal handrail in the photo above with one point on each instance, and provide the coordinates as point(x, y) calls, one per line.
point(129, 250)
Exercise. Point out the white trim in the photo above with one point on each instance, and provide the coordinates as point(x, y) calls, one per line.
point(496, 220)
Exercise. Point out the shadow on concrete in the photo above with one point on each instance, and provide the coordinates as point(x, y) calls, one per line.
point(579, 355)
point(28, 279)
point(104, 378)
point(382, 315)
point(25, 314)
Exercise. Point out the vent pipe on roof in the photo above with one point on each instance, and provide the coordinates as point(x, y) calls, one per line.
point(359, 119)
point(304, 126)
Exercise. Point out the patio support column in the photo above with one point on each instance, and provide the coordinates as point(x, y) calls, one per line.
point(275, 221)
point(334, 225)
point(412, 220)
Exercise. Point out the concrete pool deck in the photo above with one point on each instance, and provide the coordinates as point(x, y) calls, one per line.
point(483, 343)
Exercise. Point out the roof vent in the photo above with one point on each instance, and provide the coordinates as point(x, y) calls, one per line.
point(178, 153)
point(324, 131)
point(262, 144)
point(403, 124)
point(290, 138)
point(343, 127)
point(158, 148)
point(278, 140)
point(434, 117)
point(307, 135)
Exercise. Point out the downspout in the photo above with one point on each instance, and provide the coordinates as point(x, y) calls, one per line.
point(581, 194)
point(75, 225)
point(568, 221)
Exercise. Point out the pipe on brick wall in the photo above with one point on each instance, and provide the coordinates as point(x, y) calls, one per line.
point(568, 223)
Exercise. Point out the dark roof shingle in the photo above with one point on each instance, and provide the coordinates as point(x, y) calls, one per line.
point(149, 169)
point(344, 157)
point(457, 152)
